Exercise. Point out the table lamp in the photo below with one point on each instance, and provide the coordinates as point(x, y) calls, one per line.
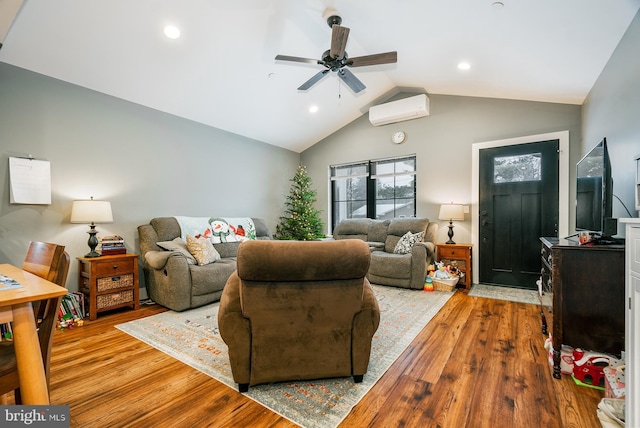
point(451, 212)
point(91, 212)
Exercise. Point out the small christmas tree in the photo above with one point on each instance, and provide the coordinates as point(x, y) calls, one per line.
point(301, 221)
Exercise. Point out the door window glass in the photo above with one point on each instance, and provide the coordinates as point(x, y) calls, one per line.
point(510, 169)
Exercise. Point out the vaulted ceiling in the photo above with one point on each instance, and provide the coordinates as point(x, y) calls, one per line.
point(221, 70)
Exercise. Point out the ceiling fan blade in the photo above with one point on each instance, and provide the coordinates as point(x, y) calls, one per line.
point(297, 59)
point(315, 79)
point(339, 37)
point(351, 80)
point(375, 59)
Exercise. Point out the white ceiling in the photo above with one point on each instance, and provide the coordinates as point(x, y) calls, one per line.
point(221, 71)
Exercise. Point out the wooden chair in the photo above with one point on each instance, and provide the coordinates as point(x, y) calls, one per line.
point(49, 261)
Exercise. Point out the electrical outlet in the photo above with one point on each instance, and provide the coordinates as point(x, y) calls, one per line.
point(465, 209)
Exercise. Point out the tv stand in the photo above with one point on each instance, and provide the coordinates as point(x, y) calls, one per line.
point(587, 282)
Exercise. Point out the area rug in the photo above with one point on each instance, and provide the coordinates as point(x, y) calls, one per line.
point(193, 338)
point(505, 293)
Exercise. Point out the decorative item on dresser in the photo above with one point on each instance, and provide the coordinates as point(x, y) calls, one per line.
point(109, 282)
point(91, 212)
point(460, 256)
point(451, 212)
point(587, 282)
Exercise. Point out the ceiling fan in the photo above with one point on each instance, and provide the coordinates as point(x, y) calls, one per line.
point(336, 58)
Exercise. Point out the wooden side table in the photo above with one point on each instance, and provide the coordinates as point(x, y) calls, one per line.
point(110, 282)
point(461, 253)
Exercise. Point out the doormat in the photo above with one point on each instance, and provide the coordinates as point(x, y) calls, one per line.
point(518, 295)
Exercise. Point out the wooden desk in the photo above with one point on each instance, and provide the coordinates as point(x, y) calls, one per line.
point(15, 306)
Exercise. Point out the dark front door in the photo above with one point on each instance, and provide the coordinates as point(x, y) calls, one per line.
point(518, 204)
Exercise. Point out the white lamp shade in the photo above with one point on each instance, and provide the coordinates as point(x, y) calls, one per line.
point(451, 212)
point(91, 212)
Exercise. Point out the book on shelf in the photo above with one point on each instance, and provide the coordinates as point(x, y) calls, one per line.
point(72, 309)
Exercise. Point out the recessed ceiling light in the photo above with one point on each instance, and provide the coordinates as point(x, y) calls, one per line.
point(171, 32)
point(313, 109)
point(464, 66)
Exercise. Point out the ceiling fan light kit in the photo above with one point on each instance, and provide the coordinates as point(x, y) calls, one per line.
point(336, 59)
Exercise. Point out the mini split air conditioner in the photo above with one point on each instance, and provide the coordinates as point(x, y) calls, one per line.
point(397, 111)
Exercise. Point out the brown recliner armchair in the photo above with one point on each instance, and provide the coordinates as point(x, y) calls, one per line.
point(298, 310)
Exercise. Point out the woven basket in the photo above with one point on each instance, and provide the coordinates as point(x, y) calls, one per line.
point(440, 284)
point(114, 299)
point(112, 282)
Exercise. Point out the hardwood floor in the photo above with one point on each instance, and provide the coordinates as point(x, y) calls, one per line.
point(478, 363)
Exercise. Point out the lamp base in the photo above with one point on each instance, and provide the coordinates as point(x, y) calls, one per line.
point(93, 242)
point(450, 234)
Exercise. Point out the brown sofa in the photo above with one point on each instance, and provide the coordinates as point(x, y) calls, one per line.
point(298, 310)
point(382, 236)
point(176, 282)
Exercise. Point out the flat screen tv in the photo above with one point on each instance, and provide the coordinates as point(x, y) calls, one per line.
point(594, 193)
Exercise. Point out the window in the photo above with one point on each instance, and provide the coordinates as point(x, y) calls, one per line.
point(349, 191)
point(380, 189)
point(509, 169)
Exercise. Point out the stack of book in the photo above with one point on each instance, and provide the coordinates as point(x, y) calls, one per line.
point(110, 245)
point(73, 309)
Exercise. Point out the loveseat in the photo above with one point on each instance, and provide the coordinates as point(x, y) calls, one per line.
point(388, 268)
point(172, 275)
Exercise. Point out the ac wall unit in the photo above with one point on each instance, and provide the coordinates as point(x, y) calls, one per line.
point(397, 111)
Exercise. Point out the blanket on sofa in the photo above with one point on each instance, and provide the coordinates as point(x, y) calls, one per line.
point(218, 229)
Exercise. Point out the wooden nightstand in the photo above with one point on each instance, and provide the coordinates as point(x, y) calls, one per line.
point(109, 282)
point(461, 253)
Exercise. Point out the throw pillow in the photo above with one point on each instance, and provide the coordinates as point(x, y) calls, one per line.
point(406, 243)
point(202, 250)
point(178, 245)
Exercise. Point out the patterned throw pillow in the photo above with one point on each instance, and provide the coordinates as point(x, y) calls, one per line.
point(202, 250)
point(405, 244)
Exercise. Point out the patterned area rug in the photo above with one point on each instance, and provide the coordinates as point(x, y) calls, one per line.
point(505, 293)
point(192, 337)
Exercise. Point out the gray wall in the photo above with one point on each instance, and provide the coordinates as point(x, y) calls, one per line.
point(145, 162)
point(612, 110)
point(442, 143)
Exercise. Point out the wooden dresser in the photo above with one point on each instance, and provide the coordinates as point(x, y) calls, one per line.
point(109, 282)
point(588, 296)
